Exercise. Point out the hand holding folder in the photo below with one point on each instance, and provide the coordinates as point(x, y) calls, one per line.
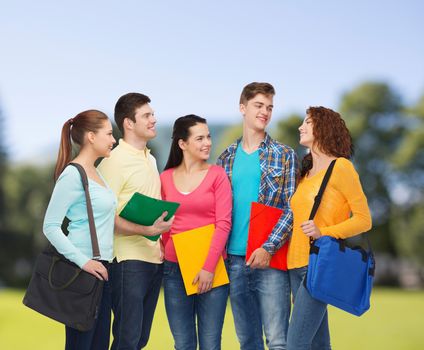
point(192, 248)
point(263, 218)
point(144, 210)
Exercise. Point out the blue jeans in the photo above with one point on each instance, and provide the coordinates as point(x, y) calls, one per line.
point(182, 310)
point(135, 291)
point(98, 337)
point(309, 322)
point(260, 298)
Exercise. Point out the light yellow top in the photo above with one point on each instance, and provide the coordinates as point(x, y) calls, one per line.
point(126, 171)
point(343, 211)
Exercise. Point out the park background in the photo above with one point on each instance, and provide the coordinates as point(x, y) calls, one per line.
point(362, 58)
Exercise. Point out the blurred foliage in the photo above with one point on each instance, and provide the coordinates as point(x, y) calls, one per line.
point(228, 136)
point(407, 228)
point(407, 219)
point(373, 114)
point(287, 132)
point(3, 170)
point(28, 190)
point(411, 149)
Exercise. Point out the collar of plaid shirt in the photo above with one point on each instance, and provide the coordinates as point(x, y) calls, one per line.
point(267, 150)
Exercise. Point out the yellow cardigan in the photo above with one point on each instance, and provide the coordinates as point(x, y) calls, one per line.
point(343, 211)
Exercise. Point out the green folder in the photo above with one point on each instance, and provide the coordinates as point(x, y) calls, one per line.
point(144, 210)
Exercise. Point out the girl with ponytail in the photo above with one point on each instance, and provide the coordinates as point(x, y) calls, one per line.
point(91, 131)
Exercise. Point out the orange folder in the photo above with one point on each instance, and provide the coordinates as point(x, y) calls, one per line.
point(192, 248)
point(263, 218)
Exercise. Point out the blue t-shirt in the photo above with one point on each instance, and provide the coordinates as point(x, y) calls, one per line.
point(246, 179)
point(68, 199)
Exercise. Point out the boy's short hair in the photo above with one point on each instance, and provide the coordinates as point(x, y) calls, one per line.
point(252, 89)
point(126, 107)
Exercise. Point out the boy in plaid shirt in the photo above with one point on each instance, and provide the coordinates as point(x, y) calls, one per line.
point(261, 170)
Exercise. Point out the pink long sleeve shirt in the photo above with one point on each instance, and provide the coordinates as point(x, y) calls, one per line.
point(209, 203)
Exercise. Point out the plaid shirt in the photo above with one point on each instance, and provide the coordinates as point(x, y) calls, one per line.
point(279, 171)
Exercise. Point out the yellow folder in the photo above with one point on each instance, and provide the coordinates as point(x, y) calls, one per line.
point(192, 249)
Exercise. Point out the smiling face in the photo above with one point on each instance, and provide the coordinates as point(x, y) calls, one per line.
point(306, 134)
point(102, 140)
point(144, 127)
point(257, 112)
point(198, 145)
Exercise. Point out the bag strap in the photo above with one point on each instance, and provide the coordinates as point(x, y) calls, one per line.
point(93, 233)
point(318, 197)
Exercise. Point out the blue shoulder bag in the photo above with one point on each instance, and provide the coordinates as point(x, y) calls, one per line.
point(339, 275)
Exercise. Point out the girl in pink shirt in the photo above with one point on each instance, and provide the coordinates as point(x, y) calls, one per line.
point(204, 194)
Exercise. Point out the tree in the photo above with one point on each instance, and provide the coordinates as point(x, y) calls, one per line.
point(374, 115)
point(287, 132)
point(28, 190)
point(410, 155)
point(408, 218)
point(3, 169)
point(228, 136)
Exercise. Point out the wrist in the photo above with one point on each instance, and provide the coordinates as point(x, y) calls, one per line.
point(269, 248)
point(146, 230)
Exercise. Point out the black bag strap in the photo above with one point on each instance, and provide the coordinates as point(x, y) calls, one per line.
point(93, 233)
point(318, 197)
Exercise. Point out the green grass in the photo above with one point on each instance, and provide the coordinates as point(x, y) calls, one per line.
point(395, 321)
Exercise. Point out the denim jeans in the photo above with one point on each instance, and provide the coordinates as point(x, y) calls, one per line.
point(260, 299)
point(135, 291)
point(182, 311)
point(98, 337)
point(309, 321)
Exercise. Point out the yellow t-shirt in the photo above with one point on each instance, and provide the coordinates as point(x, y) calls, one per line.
point(343, 211)
point(126, 171)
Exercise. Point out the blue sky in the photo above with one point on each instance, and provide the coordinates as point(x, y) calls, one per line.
point(58, 58)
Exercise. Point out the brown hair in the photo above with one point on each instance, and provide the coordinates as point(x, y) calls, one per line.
point(181, 131)
point(126, 107)
point(331, 136)
point(74, 130)
point(252, 89)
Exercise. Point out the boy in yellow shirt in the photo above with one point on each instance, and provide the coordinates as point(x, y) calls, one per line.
point(137, 268)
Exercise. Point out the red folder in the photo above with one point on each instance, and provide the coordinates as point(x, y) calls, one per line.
point(263, 218)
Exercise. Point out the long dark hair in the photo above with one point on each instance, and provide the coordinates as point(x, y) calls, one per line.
point(331, 136)
point(181, 131)
point(74, 130)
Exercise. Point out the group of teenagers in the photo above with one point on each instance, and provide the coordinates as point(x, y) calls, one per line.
point(265, 302)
